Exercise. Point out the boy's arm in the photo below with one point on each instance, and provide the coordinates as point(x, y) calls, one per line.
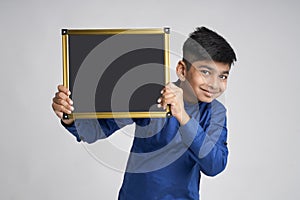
point(87, 130)
point(91, 130)
point(208, 146)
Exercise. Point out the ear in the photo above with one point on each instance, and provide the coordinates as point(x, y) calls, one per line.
point(181, 70)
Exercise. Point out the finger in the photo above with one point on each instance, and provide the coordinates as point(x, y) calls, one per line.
point(166, 91)
point(159, 100)
point(168, 95)
point(164, 105)
point(70, 101)
point(161, 103)
point(61, 108)
point(63, 89)
point(64, 103)
point(61, 95)
point(165, 97)
point(168, 101)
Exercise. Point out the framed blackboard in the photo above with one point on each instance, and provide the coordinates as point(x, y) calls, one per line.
point(116, 73)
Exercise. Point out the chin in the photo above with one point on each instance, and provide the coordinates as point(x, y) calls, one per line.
point(206, 100)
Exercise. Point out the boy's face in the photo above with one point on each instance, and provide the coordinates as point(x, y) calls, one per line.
point(204, 81)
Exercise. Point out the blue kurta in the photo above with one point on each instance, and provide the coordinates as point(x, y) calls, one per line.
point(166, 159)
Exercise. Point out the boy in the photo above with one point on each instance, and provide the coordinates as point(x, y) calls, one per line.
point(168, 155)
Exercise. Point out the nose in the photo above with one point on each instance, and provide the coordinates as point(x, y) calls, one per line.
point(213, 82)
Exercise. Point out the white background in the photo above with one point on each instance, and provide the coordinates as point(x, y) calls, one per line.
point(40, 160)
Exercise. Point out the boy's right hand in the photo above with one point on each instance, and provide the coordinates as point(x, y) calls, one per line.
point(61, 103)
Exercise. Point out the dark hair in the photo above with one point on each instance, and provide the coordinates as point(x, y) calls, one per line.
point(205, 44)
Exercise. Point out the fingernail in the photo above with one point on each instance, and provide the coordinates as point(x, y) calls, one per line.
point(161, 91)
point(159, 100)
point(158, 105)
point(69, 93)
point(72, 108)
point(71, 102)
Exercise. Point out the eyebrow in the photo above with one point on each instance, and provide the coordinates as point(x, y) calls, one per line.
point(213, 69)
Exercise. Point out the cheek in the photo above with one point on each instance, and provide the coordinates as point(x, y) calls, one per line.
point(223, 86)
point(195, 84)
point(198, 79)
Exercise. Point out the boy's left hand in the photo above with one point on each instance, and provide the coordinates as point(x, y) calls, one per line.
point(173, 96)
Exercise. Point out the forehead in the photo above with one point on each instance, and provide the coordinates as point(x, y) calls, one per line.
point(217, 66)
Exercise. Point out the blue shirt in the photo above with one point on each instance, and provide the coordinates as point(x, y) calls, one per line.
point(166, 159)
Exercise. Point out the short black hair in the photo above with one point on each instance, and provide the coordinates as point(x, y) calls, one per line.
point(205, 44)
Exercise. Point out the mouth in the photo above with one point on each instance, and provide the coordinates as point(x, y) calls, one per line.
point(208, 93)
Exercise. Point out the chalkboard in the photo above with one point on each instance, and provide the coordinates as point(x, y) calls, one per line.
point(116, 73)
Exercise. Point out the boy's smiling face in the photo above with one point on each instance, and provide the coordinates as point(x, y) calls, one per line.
point(204, 81)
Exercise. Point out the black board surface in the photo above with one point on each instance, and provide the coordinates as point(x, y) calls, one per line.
point(116, 73)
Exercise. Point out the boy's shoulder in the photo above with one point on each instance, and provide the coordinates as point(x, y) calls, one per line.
point(217, 106)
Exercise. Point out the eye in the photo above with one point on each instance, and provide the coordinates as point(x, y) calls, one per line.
point(205, 72)
point(223, 77)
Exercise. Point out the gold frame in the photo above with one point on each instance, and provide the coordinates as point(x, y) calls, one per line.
point(66, 32)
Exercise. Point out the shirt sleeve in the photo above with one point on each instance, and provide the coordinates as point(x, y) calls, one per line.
point(91, 130)
point(208, 145)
